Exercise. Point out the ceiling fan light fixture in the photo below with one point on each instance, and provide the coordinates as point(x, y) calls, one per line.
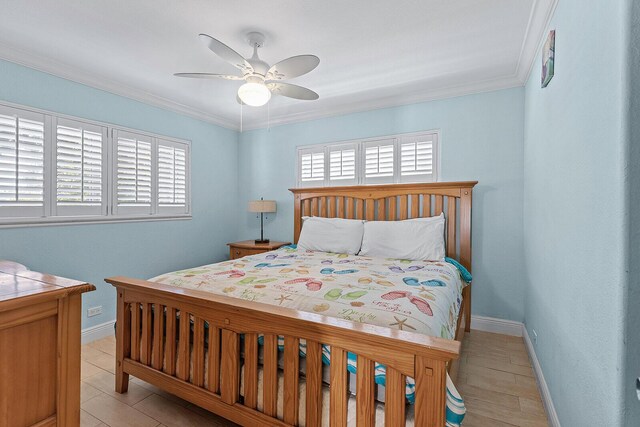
point(254, 94)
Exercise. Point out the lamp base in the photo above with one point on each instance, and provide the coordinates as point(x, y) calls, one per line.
point(261, 241)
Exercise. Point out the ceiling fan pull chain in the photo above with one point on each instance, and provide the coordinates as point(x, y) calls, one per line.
point(240, 117)
point(268, 117)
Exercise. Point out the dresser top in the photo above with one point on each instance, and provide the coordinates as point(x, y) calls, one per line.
point(18, 283)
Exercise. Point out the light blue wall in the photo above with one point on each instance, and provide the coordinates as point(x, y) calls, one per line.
point(632, 298)
point(574, 213)
point(93, 252)
point(481, 139)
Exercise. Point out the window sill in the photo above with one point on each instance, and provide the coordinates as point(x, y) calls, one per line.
point(57, 221)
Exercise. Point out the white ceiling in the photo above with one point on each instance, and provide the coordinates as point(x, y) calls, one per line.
point(373, 53)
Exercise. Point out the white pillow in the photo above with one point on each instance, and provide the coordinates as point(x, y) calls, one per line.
point(414, 239)
point(337, 235)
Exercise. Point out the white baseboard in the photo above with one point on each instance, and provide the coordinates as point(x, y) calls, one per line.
point(97, 332)
point(552, 415)
point(497, 326)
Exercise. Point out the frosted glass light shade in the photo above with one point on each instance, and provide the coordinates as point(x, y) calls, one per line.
point(254, 94)
point(262, 206)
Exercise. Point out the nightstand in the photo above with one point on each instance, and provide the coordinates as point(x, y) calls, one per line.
point(250, 247)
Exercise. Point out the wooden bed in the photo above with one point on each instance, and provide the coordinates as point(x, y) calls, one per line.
point(206, 370)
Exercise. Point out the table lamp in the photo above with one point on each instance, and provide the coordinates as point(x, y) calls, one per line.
point(262, 206)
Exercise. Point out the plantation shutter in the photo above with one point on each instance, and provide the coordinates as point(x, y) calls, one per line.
point(342, 164)
point(133, 173)
point(21, 163)
point(417, 158)
point(79, 162)
point(379, 161)
point(311, 167)
point(172, 177)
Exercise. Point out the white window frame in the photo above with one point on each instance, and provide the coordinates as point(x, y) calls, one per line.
point(174, 209)
point(52, 214)
point(342, 147)
point(22, 213)
point(361, 145)
point(71, 211)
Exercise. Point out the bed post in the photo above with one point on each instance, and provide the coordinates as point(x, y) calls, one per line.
point(123, 342)
point(465, 249)
point(430, 404)
point(297, 218)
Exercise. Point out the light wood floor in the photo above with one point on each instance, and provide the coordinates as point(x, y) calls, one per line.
point(495, 380)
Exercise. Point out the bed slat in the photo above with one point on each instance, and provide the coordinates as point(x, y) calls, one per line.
point(198, 353)
point(145, 350)
point(403, 207)
point(135, 331)
point(314, 384)
point(213, 359)
point(381, 209)
point(365, 393)
point(348, 201)
point(291, 376)
point(340, 203)
point(170, 343)
point(451, 227)
point(324, 206)
point(331, 206)
point(371, 211)
point(439, 205)
point(251, 370)
point(391, 213)
point(183, 347)
point(270, 375)
point(426, 205)
point(359, 209)
point(306, 211)
point(338, 387)
point(394, 407)
point(158, 335)
point(415, 206)
point(230, 370)
point(314, 206)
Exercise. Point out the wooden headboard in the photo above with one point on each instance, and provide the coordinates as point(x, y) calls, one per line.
point(392, 202)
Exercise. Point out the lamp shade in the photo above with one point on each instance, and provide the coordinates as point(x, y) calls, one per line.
point(262, 206)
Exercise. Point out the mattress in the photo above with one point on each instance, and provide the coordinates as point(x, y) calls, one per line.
point(417, 296)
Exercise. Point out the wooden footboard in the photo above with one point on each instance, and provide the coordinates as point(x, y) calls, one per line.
point(206, 370)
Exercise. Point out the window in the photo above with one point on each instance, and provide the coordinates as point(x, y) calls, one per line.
point(417, 157)
point(393, 159)
point(172, 177)
point(79, 166)
point(22, 161)
point(379, 161)
point(61, 169)
point(342, 164)
point(133, 173)
point(312, 167)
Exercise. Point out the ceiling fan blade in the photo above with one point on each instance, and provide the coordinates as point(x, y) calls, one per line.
point(209, 76)
point(292, 91)
point(226, 53)
point(293, 67)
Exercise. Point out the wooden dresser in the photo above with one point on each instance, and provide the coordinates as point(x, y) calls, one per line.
point(39, 348)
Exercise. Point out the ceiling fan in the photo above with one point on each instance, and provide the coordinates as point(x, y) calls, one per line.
point(261, 80)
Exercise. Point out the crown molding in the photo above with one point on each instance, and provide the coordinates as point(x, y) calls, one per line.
point(67, 72)
point(541, 14)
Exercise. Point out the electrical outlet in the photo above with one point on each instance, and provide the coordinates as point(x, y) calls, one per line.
point(535, 337)
point(94, 311)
